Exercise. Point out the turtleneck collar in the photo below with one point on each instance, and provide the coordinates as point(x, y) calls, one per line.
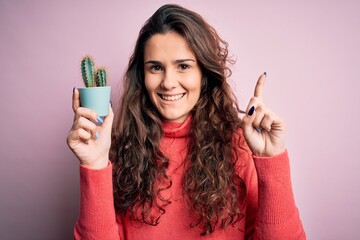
point(176, 130)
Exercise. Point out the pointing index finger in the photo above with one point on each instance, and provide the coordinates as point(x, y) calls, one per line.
point(258, 92)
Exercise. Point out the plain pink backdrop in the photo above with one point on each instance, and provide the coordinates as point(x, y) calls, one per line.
point(310, 50)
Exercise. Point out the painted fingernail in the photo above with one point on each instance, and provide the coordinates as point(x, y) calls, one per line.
point(96, 135)
point(265, 74)
point(110, 104)
point(74, 89)
point(258, 129)
point(251, 111)
point(99, 119)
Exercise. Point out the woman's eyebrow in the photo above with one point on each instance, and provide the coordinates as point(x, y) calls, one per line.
point(184, 60)
point(152, 62)
point(176, 61)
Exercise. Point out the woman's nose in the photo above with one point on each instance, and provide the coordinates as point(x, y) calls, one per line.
point(170, 80)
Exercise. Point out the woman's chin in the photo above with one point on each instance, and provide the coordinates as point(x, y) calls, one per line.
point(175, 117)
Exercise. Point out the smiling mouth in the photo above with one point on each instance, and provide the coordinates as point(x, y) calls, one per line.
point(171, 97)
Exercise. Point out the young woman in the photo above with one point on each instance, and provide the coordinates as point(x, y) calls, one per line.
point(183, 165)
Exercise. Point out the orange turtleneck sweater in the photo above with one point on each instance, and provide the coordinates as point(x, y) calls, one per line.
point(271, 212)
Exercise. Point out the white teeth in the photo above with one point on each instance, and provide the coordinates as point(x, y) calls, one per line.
point(172, 98)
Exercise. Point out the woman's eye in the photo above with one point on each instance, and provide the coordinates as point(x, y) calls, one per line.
point(184, 66)
point(155, 68)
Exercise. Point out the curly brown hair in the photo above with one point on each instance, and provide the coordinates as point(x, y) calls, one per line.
point(213, 187)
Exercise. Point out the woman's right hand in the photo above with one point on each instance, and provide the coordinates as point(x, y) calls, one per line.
point(89, 138)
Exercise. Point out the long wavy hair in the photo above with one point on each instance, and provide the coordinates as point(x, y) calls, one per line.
point(215, 192)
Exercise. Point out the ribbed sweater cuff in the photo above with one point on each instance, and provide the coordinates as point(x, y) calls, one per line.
point(276, 200)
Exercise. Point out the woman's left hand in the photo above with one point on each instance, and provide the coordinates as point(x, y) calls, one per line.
point(263, 130)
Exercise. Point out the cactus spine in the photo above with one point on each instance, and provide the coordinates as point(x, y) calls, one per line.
point(91, 76)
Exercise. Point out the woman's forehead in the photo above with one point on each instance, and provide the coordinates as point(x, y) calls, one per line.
point(167, 46)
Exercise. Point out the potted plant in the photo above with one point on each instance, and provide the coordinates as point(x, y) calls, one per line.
point(95, 95)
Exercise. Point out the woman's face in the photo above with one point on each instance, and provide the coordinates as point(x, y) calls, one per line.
point(172, 75)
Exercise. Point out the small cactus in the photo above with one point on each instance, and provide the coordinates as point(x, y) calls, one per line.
point(91, 76)
point(88, 71)
point(100, 77)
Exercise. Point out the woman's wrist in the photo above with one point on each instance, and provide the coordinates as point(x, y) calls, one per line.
point(273, 154)
point(96, 165)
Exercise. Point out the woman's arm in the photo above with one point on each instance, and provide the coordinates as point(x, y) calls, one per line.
point(97, 218)
point(271, 211)
point(90, 138)
point(276, 215)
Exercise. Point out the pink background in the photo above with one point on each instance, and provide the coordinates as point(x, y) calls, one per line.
point(310, 50)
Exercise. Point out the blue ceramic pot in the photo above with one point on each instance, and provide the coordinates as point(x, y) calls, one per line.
point(96, 98)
